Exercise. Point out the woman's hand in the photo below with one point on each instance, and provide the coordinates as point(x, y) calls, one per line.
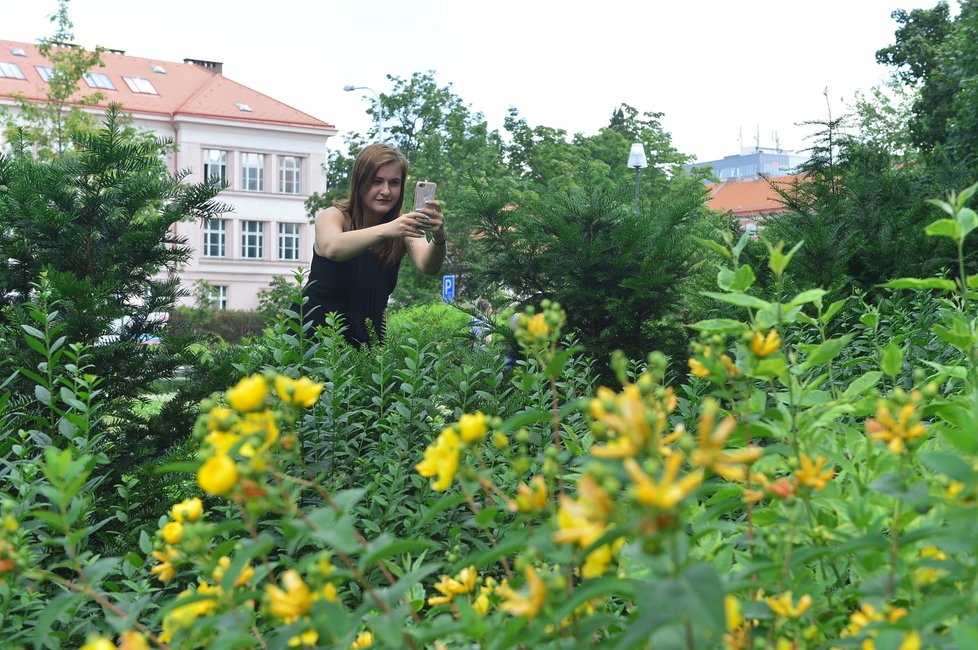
point(433, 220)
point(409, 224)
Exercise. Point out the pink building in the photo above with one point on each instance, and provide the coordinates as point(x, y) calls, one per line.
point(270, 154)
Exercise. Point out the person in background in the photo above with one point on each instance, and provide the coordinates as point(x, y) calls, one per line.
point(359, 243)
point(481, 324)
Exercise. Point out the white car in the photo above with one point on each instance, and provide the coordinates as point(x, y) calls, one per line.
point(157, 318)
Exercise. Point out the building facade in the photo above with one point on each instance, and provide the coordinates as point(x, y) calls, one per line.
point(750, 202)
point(270, 155)
point(751, 163)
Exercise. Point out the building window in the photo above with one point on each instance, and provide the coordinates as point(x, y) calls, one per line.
point(288, 241)
point(98, 80)
point(252, 172)
point(219, 298)
point(140, 85)
point(252, 234)
point(289, 174)
point(10, 70)
point(46, 72)
point(215, 237)
point(216, 165)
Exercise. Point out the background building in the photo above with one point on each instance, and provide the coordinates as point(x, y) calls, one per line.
point(749, 202)
point(751, 162)
point(270, 154)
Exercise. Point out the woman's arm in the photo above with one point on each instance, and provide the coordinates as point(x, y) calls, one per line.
point(428, 256)
point(340, 245)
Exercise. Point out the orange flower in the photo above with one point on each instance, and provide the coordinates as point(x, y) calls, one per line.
point(811, 474)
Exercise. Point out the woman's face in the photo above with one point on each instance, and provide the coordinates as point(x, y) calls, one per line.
point(384, 190)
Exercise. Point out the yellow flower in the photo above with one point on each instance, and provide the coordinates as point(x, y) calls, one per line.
point(463, 583)
point(328, 593)
point(222, 441)
point(698, 369)
point(187, 510)
point(472, 427)
point(224, 563)
point(596, 562)
point(98, 643)
point(583, 520)
point(363, 640)
point(221, 418)
point(911, 641)
point(165, 570)
point(811, 474)
point(292, 602)
point(307, 638)
point(249, 394)
point(668, 492)
point(217, 475)
point(731, 464)
point(441, 459)
point(765, 346)
point(481, 604)
point(783, 606)
point(524, 605)
point(897, 433)
point(184, 615)
point(302, 392)
point(537, 327)
point(133, 640)
point(927, 575)
point(615, 448)
point(173, 532)
point(259, 425)
point(531, 499)
point(732, 610)
point(10, 524)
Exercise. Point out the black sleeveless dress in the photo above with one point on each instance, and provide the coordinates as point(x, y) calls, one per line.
point(357, 289)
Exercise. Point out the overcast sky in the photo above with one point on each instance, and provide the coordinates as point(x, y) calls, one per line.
point(718, 70)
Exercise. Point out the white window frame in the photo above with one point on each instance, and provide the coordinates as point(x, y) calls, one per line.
point(98, 80)
point(288, 241)
point(221, 163)
point(219, 297)
point(140, 85)
point(252, 171)
point(11, 70)
point(252, 240)
point(215, 238)
point(290, 175)
point(46, 72)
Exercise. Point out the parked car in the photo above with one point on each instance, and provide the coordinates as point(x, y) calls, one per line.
point(118, 327)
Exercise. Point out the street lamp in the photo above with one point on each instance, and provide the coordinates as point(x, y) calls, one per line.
point(636, 159)
point(380, 118)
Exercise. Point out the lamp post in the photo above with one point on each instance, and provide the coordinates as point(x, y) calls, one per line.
point(636, 159)
point(380, 118)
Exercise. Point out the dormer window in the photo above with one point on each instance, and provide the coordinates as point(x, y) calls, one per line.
point(98, 80)
point(140, 85)
point(10, 70)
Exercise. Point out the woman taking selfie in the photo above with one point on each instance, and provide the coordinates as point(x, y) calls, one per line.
point(360, 241)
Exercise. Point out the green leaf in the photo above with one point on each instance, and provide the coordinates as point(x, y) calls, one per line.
point(739, 299)
point(779, 261)
point(863, 384)
point(51, 612)
point(43, 395)
point(961, 339)
point(826, 351)
point(892, 360)
point(968, 220)
point(742, 279)
point(944, 228)
point(805, 297)
point(832, 311)
point(720, 325)
point(949, 465)
point(386, 546)
point(182, 467)
point(921, 283)
point(714, 246)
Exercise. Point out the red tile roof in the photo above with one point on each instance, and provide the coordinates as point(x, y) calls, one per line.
point(185, 89)
point(748, 198)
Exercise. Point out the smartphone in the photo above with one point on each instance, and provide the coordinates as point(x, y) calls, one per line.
point(424, 191)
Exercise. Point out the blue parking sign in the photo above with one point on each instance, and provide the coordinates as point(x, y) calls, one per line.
point(448, 288)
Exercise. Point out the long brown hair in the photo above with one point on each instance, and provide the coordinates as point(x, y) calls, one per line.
point(365, 167)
